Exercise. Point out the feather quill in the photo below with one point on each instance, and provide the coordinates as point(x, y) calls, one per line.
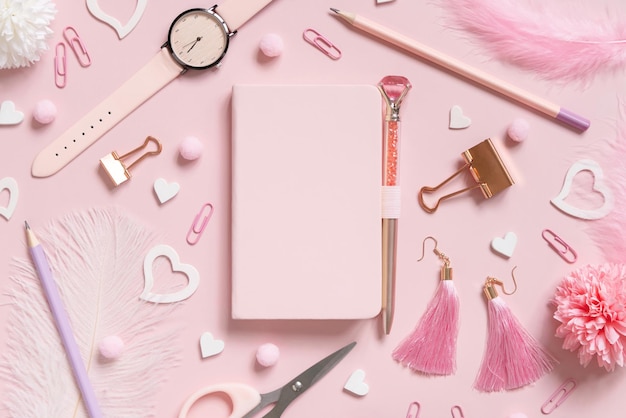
point(97, 258)
point(558, 43)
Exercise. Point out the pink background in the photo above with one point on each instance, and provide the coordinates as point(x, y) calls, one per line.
point(199, 104)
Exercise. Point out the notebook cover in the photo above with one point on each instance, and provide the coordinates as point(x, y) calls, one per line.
point(306, 217)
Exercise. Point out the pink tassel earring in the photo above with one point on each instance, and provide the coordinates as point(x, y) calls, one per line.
point(431, 348)
point(513, 358)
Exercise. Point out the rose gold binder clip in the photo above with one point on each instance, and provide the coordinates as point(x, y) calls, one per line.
point(487, 169)
point(320, 42)
point(559, 246)
point(414, 410)
point(115, 167)
point(60, 65)
point(559, 396)
point(77, 45)
point(195, 231)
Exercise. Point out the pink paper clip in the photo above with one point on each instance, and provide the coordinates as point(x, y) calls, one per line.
point(414, 410)
point(566, 252)
point(195, 231)
point(74, 41)
point(457, 409)
point(60, 65)
point(559, 396)
point(314, 38)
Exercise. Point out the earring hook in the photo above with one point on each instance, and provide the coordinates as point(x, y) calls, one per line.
point(492, 281)
point(438, 253)
point(424, 247)
point(514, 282)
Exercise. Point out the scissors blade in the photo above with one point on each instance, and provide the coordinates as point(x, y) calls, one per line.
point(301, 383)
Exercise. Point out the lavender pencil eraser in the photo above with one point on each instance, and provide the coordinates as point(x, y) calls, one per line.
point(573, 120)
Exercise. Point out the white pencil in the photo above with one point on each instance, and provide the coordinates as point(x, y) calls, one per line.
point(486, 80)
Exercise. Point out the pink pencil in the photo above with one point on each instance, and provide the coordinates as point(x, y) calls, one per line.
point(541, 105)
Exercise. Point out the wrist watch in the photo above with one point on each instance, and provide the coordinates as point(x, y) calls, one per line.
point(198, 39)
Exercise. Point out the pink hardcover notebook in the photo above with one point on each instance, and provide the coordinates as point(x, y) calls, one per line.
point(306, 217)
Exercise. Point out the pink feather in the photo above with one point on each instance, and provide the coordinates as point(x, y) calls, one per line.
point(608, 233)
point(431, 348)
point(513, 358)
point(558, 43)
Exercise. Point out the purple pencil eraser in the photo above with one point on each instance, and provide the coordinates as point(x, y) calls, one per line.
point(573, 120)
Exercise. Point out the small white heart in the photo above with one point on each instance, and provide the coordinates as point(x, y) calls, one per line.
point(457, 119)
point(598, 186)
point(356, 383)
point(209, 346)
point(9, 183)
point(190, 271)
point(164, 190)
point(8, 114)
point(122, 30)
point(506, 245)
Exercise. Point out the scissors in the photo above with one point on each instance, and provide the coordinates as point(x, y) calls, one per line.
point(247, 401)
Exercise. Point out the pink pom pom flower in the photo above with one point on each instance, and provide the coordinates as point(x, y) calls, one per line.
point(591, 307)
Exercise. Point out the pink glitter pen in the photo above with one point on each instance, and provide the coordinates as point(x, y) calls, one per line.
point(393, 89)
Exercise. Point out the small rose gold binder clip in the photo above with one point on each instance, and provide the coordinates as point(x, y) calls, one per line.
point(115, 167)
point(487, 169)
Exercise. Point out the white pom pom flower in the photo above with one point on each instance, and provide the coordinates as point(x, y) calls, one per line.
point(24, 31)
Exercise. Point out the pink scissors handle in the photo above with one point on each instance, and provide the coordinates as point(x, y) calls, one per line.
point(243, 397)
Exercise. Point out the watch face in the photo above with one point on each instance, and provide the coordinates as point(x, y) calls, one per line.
point(198, 38)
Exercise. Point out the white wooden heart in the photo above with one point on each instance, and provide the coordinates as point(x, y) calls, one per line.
point(209, 346)
point(9, 115)
point(598, 186)
point(164, 190)
point(122, 30)
point(9, 183)
point(506, 245)
point(356, 383)
point(457, 119)
point(190, 271)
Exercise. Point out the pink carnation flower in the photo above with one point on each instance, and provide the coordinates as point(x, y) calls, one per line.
point(591, 306)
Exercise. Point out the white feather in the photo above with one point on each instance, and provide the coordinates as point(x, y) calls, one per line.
point(97, 258)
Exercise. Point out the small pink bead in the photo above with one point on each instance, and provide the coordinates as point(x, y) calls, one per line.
point(271, 45)
point(45, 111)
point(518, 415)
point(267, 355)
point(190, 148)
point(111, 347)
point(518, 130)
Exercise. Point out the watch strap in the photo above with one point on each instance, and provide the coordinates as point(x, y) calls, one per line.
point(237, 12)
point(156, 74)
